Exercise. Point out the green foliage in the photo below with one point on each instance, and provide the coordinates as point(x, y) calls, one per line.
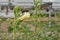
point(58, 14)
point(12, 25)
point(43, 15)
point(2, 20)
point(10, 22)
point(17, 11)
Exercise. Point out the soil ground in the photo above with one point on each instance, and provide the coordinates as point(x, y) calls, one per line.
point(4, 25)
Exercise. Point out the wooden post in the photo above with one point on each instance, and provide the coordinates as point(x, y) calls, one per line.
point(6, 10)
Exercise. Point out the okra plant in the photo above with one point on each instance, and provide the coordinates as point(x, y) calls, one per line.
point(14, 25)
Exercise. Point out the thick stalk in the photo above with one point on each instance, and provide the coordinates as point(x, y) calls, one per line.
point(49, 19)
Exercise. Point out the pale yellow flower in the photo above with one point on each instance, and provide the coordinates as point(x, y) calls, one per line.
point(25, 16)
